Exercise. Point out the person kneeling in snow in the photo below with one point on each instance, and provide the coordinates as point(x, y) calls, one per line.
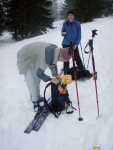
point(32, 61)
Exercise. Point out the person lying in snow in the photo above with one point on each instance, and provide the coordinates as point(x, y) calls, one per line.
point(32, 61)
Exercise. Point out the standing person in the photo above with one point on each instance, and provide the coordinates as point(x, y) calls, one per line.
point(71, 31)
point(32, 61)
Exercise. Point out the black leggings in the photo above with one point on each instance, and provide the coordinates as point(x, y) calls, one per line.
point(76, 58)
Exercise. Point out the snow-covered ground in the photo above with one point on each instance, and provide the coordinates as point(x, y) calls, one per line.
point(65, 133)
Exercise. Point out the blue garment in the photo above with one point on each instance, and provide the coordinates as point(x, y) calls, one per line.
point(73, 33)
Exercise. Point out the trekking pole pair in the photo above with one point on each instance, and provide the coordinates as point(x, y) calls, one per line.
point(90, 44)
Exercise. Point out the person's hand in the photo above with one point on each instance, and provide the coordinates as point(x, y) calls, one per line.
point(55, 81)
point(74, 47)
point(63, 33)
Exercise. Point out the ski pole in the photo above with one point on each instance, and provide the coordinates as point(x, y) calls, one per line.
point(93, 64)
point(72, 54)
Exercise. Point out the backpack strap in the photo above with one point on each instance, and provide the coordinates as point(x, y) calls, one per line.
point(46, 103)
point(70, 112)
point(45, 90)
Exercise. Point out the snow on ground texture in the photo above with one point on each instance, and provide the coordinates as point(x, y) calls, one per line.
point(65, 133)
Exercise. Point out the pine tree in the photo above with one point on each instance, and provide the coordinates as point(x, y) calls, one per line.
point(28, 18)
point(2, 18)
point(88, 10)
point(108, 8)
point(55, 10)
point(12, 16)
point(40, 19)
point(68, 5)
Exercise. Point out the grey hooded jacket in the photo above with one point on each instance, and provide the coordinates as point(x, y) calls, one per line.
point(39, 55)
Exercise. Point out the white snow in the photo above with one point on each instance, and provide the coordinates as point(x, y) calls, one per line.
point(65, 133)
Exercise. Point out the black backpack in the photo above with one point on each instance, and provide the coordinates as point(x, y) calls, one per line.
point(80, 74)
point(59, 99)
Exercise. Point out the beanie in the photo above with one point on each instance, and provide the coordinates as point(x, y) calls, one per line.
point(70, 12)
point(64, 53)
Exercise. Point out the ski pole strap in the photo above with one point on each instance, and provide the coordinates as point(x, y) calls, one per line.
point(87, 52)
point(90, 43)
